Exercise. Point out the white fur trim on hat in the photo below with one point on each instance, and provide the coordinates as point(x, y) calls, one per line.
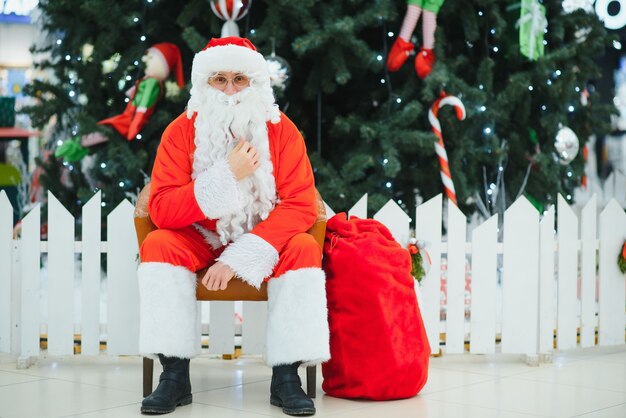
point(216, 191)
point(251, 258)
point(167, 310)
point(297, 322)
point(229, 58)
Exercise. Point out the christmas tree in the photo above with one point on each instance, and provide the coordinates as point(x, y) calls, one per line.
point(366, 128)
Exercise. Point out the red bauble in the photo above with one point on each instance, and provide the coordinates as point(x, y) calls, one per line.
point(230, 9)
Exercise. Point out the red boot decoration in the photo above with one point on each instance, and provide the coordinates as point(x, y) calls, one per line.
point(399, 53)
point(424, 62)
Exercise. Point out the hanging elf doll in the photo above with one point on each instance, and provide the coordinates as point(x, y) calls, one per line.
point(403, 47)
point(159, 60)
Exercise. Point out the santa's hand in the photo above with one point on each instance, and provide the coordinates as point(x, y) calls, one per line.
point(243, 160)
point(218, 276)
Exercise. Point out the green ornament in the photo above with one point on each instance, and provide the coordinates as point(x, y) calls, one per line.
point(532, 135)
point(71, 150)
point(532, 25)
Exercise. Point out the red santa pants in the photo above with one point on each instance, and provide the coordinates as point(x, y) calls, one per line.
point(187, 248)
point(297, 321)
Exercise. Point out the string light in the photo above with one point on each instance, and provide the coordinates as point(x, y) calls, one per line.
point(569, 174)
point(126, 100)
point(59, 142)
point(493, 31)
point(385, 161)
point(480, 13)
point(549, 82)
point(67, 58)
point(543, 107)
point(59, 42)
point(136, 20)
point(379, 57)
point(480, 86)
point(390, 34)
point(617, 44)
point(530, 88)
point(143, 38)
point(483, 108)
point(495, 49)
point(103, 204)
point(72, 93)
point(382, 81)
point(121, 184)
point(128, 78)
point(103, 165)
point(139, 136)
point(570, 108)
point(487, 130)
point(388, 184)
point(557, 73)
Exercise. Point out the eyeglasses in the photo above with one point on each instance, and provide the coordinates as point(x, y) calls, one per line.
point(221, 81)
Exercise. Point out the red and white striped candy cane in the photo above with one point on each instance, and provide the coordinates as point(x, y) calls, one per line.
point(440, 148)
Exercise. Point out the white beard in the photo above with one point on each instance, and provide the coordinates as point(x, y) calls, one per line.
point(221, 122)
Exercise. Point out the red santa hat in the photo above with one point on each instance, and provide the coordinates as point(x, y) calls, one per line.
point(229, 54)
point(170, 54)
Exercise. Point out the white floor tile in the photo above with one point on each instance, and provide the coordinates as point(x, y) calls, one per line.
point(614, 412)
point(490, 364)
point(443, 379)
point(531, 397)
point(195, 410)
point(582, 383)
point(584, 373)
point(428, 408)
point(50, 398)
point(613, 358)
point(254, 397)
point(8, 378)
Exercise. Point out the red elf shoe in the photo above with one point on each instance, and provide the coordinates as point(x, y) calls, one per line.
point(399, 53)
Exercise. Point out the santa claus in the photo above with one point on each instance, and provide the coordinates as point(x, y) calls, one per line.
point(232, 188)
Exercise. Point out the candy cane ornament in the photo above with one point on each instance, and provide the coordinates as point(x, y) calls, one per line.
point(440, 149)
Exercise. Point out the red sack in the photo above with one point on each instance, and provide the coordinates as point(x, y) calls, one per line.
point(378, 344)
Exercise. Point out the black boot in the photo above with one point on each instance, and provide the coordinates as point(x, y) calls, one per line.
point(174, 387)
point(286, 391)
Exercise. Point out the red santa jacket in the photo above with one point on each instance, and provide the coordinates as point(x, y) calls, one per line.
point(177, 200)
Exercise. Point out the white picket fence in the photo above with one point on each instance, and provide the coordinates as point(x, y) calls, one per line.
point(518, 308)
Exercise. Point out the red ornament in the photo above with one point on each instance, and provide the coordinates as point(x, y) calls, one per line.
point(624, 251)
point(230, 9)
point(413, 249)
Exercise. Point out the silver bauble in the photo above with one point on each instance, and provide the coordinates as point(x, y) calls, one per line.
point(566, 145)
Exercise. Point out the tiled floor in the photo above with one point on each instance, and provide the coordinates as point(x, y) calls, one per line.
point(580, 383)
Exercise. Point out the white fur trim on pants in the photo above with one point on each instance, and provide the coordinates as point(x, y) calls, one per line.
point(216, 191)
point(251, 258)
point(297, 322)
point(167, 310)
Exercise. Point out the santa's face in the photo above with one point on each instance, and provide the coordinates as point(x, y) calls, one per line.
point(229, 82)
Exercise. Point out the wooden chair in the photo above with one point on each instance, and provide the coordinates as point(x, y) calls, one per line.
point(236, 290)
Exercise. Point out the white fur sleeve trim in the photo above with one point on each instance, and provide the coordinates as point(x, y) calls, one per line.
point(216, 191)
point(251, 257)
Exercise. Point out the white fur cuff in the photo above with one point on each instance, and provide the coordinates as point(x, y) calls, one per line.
point(297, 323)
point(251, 258)
point(216, 191)
point(167, 310)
